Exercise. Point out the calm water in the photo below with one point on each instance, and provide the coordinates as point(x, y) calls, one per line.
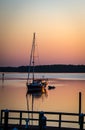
point(64, 98)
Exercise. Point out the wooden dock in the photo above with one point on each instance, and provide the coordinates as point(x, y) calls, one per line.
point(37, 128)
point(19, 119)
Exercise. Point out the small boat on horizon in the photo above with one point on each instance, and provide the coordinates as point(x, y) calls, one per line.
point(35, 84)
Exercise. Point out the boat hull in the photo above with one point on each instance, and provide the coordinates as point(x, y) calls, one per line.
point(35, 88)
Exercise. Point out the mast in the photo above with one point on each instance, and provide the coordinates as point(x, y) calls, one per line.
point(32, 56)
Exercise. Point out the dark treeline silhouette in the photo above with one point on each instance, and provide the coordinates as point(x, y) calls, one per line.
point(47, 68)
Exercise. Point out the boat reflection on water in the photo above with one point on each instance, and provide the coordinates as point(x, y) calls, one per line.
point(32, 98)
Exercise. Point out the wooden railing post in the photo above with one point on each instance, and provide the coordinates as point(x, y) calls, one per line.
point(80, 100)
point(42, 121)
point(20, 118)
point(27, 124)
point(59, 120)
point(81, 121)
point(40, 117)
point(1, 116)
point(6, 119)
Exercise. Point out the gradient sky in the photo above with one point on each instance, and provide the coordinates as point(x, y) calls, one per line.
point(59, 27)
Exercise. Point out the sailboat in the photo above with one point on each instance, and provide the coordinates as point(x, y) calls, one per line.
point(36, 85)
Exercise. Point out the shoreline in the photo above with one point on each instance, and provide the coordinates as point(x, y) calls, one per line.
point(49, 79)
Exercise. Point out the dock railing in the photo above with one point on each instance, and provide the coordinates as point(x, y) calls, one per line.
point(53, 119)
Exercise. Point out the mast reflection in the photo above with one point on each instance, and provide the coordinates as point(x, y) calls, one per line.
point(31, 98)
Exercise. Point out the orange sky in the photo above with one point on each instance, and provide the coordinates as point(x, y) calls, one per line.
point(59, 27)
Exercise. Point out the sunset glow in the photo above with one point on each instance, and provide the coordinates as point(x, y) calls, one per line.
point(59, 27)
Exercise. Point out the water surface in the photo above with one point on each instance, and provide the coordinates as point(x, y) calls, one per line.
point(64, 98)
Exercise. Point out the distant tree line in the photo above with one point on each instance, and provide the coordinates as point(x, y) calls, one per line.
point(47, 68)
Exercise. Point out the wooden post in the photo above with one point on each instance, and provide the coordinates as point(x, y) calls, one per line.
point(43, 121)
point(79, 105)
point(41, 114)
point(60, 120)
point(1, 116)
point(81, 121)
point(20, 118)
point(79, 102)
point(81, 117)
point(27, 124)
point(6, 119)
